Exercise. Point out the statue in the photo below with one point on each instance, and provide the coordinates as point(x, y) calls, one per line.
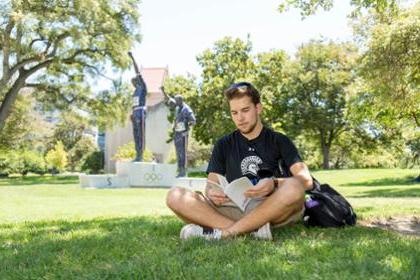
point(138, 117)
point(184, 119)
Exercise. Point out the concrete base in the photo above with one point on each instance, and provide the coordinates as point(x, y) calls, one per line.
point(144, 174)
point(133, 174)
point(103, 181)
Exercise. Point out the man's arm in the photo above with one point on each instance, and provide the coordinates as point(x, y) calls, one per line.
point(301, 172)
point(267, 186)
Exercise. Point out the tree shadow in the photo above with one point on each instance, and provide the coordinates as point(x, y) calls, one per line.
point(150, 248)
point(402, 181)
point(389, 192)
point(39, 180)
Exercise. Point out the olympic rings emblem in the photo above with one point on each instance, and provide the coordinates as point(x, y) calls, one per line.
point(152, 177)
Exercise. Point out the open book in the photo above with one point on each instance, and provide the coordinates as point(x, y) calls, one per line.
point(234, 190)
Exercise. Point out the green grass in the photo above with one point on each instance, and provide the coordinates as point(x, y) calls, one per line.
point(53, 229)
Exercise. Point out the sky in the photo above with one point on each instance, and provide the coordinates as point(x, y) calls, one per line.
point(175, 32)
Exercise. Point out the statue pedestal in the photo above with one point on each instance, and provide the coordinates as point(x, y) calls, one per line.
point(133, 174)
point(194, 184)
point(103, 181)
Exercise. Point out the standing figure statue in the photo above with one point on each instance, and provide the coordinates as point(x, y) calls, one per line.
point(184, 119)
point(138, 117)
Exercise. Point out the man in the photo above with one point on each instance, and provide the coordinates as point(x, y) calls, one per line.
point(184, 120)
point(277, 201)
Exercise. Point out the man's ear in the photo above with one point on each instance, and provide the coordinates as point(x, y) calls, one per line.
point(259, 108)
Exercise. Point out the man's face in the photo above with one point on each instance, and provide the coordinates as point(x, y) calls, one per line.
point(245, 114)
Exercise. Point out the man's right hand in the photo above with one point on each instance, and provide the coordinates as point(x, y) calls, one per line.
point(218, 197)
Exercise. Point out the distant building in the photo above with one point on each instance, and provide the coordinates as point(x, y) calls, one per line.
point(157, 124)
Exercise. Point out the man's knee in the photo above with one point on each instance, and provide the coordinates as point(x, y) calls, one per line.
point(174, 197)
point(292, 192)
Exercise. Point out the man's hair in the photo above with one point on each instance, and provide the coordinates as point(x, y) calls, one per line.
point(241, 89)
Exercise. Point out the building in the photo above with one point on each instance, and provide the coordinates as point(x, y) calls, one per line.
point(157, 124)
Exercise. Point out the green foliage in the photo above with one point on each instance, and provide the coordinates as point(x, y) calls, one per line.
point(21, 162)
point(128, 152)
point(56, 158)
point(313, 97)
point(80, 151)
point(93, 163)
point(227, 62)
point(390, 66)
point(310, 7)
point(61, 46)
point(69, 129)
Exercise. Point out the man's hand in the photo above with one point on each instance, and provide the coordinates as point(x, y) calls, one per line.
point(263, 188)
point(217, 196)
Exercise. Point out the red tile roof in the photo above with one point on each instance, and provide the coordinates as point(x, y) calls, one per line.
point(154, 78)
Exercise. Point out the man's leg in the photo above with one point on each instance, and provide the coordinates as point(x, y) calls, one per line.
point(179, 149)
point(192, 208)
point(277, 208)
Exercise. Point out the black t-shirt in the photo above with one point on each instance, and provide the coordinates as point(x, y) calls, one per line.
point(235, 156)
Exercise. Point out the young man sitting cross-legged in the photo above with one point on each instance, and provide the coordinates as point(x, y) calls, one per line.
point(276, 201)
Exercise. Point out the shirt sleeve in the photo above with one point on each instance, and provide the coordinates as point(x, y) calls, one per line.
point(217, 163)
point(288, 151)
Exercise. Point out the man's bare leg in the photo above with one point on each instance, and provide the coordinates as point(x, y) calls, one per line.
point(192, 208)
point(277, 208)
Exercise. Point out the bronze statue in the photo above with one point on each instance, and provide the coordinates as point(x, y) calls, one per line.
point(138, 116)
point(184, 120)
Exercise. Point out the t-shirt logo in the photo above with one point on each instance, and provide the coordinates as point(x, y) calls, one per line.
point(249, 165)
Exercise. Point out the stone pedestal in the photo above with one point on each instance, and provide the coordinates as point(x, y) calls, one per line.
point(103, 181)
point(133, 174)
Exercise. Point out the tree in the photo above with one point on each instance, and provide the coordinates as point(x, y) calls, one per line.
point(390, 66)
point(57, 46)
point(310, 7)
point(70, 128)
point(56, 158)
point(312, 100)
point(227, 62)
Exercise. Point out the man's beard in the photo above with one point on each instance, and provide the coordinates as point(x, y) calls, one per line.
point(249, 130)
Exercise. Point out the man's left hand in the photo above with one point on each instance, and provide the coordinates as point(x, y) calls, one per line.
point(263, 188)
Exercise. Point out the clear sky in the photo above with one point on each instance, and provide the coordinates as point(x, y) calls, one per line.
point(175, 32)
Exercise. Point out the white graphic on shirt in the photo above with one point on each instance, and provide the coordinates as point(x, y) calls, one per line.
point(249, 165)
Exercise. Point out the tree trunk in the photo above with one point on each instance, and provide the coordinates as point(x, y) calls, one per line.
point(9, 100)
point(326, 156)
point(325, 150)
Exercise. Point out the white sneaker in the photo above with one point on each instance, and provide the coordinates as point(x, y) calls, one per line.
point(192, 230)
point(263, 232)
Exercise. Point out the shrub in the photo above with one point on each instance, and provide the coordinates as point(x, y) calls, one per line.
point(128, 152)
point(94, 163)
point(57, 158)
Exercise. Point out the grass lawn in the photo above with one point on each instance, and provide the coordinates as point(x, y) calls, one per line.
point(50, 228)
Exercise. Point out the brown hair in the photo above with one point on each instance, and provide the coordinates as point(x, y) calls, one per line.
point(241, 89)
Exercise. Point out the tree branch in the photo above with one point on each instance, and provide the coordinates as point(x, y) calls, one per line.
point(6, 50)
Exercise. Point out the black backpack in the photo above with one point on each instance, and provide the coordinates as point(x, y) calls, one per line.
point(325, 207)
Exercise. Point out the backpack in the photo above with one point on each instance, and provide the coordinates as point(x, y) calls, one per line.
point(325, 207)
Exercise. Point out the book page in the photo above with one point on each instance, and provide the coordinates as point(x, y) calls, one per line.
point(235, 191)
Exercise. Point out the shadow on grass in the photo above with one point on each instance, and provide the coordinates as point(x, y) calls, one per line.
point(149, 248)
point(37, 180)
point(404, 181)
point(389, 192)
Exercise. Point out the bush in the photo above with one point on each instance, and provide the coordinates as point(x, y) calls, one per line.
point(80, 151)
point(21, 162)
point(128, 152)
point(57, 158)
point(94, 163)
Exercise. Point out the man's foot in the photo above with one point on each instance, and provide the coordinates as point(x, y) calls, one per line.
point(192, 230)
point(263, 232)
